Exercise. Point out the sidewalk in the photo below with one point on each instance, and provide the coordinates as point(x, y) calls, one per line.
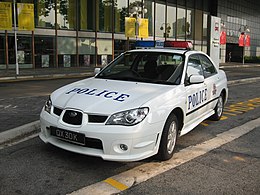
point(45, 73)
point(237, 65)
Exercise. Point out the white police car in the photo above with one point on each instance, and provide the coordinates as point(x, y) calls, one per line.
point(136, 106)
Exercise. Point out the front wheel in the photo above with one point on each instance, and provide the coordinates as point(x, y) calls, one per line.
point(218, 109)
point(169, 138)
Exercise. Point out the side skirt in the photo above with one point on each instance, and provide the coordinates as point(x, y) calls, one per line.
point(197, 121)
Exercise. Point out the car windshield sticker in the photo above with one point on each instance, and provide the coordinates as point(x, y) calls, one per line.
point(197, 98)
point(120, 97)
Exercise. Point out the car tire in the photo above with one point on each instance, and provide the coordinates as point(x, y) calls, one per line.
point(218, 108)
point(169, 138)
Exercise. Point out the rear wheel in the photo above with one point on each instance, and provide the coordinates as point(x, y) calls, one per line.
point(218, 109)
point(169, 138)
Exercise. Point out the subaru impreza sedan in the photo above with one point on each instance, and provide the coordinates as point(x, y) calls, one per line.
point(137, 106)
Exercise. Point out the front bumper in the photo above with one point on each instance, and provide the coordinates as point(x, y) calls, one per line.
point(142, 140)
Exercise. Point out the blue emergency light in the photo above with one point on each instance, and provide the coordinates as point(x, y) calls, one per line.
point(144, 44)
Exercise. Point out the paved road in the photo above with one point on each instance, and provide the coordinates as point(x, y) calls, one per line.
point(32, 167)
point(235, 73)
point(229, 169)
point(21, 102)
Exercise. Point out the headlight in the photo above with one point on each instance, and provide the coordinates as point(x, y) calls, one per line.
point(129, 117)
point(48, 105)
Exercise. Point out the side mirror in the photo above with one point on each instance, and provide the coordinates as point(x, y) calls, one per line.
point(97, 70)
point(196, 79)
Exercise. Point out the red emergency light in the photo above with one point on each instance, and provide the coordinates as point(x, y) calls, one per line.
point(178, 44)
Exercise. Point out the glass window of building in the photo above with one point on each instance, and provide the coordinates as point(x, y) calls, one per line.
point(87, 14)
point(189, 27)
point(171, 21)
point(105, 15)
point(199, 24)
point(149, 5)
point(2, 52)
point(66, 14)
point(45, 13)
point(198, 29)
point(11, 51)
point(104, 51)
point(181, 23)
point(24, 51)
point(134, 3)
point(160, 20)
point(44, 51)
point(120, 11)
point(86, 49)
point(67, 52)
point(205, 32)
point(120, 47)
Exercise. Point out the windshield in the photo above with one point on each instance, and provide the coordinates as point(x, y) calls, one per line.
point(151, 67)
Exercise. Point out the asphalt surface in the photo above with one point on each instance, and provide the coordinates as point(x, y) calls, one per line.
point(230, 169)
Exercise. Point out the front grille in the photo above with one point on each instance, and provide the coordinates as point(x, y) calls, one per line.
point(96, 118)
point(57, 111)
point(90, 143)
point(72, 117)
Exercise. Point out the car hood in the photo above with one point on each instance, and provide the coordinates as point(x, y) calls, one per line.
point(103, 96)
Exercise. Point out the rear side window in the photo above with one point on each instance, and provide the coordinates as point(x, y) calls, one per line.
point(208, 68)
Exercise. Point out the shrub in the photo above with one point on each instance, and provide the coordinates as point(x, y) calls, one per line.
point(252, 59)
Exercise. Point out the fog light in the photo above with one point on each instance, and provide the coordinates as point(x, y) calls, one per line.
point(123, 147)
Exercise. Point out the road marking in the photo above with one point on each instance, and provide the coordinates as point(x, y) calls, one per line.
point(236, 109)
point(227, 113)
point(148, 170)
point(204, 124)
point(223, 118)
point(116, 184)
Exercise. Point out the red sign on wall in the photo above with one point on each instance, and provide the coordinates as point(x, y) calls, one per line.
point(223, 38)
point(241, 40)
point(247, 40)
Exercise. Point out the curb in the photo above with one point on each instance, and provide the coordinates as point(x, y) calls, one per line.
point(239, 66)
point(248, 80)
point(44, 77)
point(19, 132)
point(34, 127)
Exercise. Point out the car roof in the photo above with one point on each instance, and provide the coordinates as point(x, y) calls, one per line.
point(166, 50)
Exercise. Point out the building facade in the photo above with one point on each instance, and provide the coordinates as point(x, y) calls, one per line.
point(77, 33)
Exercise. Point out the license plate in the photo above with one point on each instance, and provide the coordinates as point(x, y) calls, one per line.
point(70, 136)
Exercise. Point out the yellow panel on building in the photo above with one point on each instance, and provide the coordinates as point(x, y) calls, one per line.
point(25, 16)
point(130, 27)
point(5, 16)
point(143, 28)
